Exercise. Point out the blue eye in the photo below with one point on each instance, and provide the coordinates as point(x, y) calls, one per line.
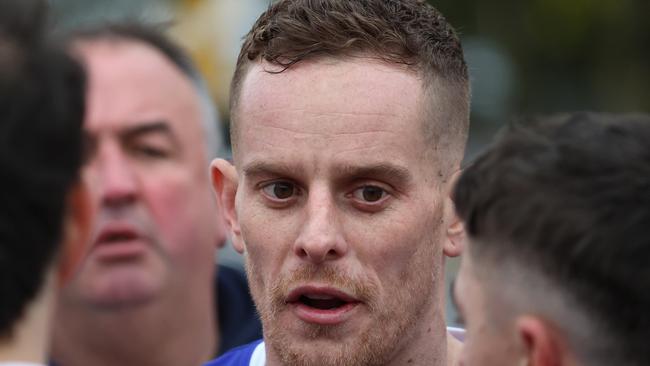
point(279, 190)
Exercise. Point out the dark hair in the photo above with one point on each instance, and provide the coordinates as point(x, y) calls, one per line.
point(568, 198)
point(41, 112)
point(407, 32)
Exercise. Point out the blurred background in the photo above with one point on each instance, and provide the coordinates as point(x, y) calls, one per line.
point(525, 57)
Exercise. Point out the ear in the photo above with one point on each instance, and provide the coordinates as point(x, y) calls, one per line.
point(224, 182)
point(542, 343)
point(455, 242)
point(76, 231)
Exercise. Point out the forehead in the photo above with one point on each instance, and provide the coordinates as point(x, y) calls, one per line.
point(130, 82)
point(358, 103)
point(355, 85)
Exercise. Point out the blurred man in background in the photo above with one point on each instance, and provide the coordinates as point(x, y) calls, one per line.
point(556, 269)
point(349, 122)
point(44, 215)
point(146, 292)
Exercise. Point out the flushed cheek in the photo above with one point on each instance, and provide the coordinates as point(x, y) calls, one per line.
point(178, 211)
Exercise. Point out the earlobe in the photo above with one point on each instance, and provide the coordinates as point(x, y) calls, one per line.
point(76, 231)
point(455, 242)
point(225, 182)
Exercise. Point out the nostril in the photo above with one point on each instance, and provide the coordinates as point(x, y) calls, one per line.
point(302, 253)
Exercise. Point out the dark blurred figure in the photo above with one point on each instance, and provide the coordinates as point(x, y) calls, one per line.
point(43, 208)
point(556, 271)
point(148, 291)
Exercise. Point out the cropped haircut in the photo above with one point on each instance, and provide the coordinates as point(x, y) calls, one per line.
point(408, 33)
point(567, 198)
point(41, 112)
point(153, 36)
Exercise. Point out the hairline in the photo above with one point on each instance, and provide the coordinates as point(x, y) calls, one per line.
point(212, 135)
point(430, 82)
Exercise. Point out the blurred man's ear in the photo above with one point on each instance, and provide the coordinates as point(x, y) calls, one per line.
point(224, 182)
point(76, 231)
point(455, 242)
point(543, 345)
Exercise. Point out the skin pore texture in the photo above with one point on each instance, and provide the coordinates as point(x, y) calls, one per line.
point(149, 269)
point(335, 202)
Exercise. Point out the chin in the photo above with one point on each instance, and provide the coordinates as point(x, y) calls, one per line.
point(121, 291)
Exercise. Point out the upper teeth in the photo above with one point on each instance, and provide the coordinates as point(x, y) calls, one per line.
point(320, 297)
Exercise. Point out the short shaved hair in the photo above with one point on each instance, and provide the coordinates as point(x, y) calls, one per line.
point(407, 33)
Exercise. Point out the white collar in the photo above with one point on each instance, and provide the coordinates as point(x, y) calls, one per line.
point(258, 358)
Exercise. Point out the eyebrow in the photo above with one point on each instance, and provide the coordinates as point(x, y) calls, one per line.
point(147, 128)
point(398, 175)
point(395, 174)
point(262, 168)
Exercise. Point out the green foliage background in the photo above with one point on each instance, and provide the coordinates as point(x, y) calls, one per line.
point(563, 54)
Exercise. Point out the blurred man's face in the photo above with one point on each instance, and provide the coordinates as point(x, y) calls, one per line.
point(156, 229)
point(339, 210)
point(490, 339)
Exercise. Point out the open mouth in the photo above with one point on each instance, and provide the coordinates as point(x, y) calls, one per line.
point(320, 298)
point(116, 236)
point(322, 302)
point(322, 305)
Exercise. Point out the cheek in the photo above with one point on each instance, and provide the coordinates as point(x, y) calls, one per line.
point(184, 216)
point(398, 242)
point(266, 236)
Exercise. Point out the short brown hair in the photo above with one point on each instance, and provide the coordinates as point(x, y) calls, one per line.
point(565, 201)
point(404, 32)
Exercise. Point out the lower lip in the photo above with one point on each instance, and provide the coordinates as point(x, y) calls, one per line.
point(335, 316)
point(121, 250)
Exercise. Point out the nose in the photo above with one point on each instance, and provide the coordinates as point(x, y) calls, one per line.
point(113, 176)
point(321, 237)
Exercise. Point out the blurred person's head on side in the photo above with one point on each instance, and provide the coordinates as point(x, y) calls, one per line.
point(348, 122)
point(556, 266)
point(144, 293)
point(44, 215)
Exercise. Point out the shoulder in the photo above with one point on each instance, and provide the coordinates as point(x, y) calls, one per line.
point(239, 356)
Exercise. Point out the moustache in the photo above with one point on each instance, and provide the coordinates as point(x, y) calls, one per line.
point(363, 289)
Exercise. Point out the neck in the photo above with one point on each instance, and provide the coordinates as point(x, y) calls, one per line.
point(177, 330)
point(29, 340)
point(429, 344)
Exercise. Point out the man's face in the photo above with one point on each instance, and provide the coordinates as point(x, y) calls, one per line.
point(339, 210)
point(156, 229)
point(489, 338)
